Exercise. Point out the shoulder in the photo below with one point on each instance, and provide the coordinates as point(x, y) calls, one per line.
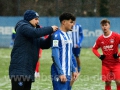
point(78, 25)
point(100, 37)
point(115, 33)
point(22, 23)
point(56, 35)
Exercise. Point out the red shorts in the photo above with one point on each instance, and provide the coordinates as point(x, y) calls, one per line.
point(110, 72)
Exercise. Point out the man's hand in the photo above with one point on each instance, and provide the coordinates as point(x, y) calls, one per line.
point(55, 28)
point(115, 56)
point(74, 77)
point(102, 57)
point(63, 78)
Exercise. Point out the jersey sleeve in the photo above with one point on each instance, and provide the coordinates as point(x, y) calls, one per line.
point(73, 65)
point(74, 61)
point(95, 48)
point(81, 36)
point(55, 53)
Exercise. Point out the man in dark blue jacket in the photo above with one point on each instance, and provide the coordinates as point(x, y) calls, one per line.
point(24, 55)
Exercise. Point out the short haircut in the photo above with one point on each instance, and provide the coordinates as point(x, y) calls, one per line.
point(67, 16)
point(103, 21)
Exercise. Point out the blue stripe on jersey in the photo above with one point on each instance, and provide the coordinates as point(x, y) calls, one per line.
point(65, 50)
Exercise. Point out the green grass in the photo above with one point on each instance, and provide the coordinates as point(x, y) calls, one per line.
point(88, 80)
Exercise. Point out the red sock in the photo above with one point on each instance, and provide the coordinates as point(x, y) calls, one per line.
point(118, 87)
point(107, 87)
point(37, 66)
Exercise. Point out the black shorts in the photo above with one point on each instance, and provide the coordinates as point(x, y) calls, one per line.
point(18, 83)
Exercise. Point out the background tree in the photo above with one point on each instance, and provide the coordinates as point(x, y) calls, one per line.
point(104, 8)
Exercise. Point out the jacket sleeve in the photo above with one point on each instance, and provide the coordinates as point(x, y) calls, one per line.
point(45, 43)
point(30, 31)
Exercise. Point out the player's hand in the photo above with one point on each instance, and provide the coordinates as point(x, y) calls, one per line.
point(76, 46)
point(115, 56)
point(102, 57)
point(63, 78)
point(74, 76)
point(55, 28)
point(78, 74)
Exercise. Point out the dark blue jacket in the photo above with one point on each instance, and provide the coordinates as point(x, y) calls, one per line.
point(24, 55)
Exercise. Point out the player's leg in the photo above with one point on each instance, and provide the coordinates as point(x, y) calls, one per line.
point(107, 85)
point(15, 85)
point(106, 77)
point(116, 71)
point(117, 84)
point(20, 83)
point(37, 69)
point(76, 52)
point(27, 85)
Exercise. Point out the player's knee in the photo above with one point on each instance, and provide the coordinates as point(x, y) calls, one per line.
point(108, 83)
point(117, 82)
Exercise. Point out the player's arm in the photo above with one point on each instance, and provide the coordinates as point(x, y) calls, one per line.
point(95, 50)
point(56, 61)
point(55, 54)
point(75, 63)
point(81, 36)
point(117, 54)
point(74, 71)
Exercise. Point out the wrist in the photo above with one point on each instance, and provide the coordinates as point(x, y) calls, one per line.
point(79, 69)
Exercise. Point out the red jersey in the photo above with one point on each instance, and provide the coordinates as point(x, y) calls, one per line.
point(109, 45)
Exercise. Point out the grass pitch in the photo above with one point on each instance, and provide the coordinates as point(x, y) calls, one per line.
point(90, 78)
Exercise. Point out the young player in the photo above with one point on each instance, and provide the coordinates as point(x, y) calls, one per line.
point(108, 42)
point(37, 71)
point(62, 54)
point(77, 38)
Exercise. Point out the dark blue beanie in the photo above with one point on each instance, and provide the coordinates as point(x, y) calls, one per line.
point(30, 14)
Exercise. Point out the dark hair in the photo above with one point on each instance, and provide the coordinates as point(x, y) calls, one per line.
point(66, 16)
point(103, 21)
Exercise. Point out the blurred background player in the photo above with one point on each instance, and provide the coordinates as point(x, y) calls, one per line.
point(77, 37)
point(37, 69)
point(108, 42)
point(62, 54)
point(13, 38)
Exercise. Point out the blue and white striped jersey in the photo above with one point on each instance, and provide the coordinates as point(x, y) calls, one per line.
point(76, 35)
point(62, 53)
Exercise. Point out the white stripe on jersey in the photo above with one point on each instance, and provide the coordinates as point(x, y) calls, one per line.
point(63, 54)
point(66, 40)
point(69, 55)
point(75, 35)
